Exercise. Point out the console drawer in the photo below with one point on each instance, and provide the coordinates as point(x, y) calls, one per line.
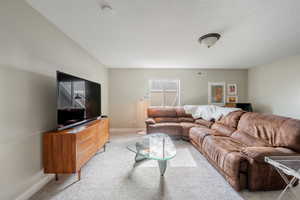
point(85, 134)
point(83, 145)
point(85, 155)
point(68, 150)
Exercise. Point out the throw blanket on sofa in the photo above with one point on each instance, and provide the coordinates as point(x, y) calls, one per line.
point(208, 112)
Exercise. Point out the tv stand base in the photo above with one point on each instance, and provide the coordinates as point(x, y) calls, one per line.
point(67, 151)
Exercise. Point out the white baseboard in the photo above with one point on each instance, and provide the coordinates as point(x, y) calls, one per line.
point(36, 187)
point(127, 129)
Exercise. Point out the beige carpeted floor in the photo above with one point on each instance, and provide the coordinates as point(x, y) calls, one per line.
point(111, 176)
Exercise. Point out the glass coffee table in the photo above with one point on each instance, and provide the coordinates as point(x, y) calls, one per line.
point(156, 146)
point(286, 166)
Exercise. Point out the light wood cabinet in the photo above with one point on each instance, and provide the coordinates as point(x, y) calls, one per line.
point(68, 150)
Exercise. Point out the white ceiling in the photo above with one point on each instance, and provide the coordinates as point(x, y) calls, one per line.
point(164, 33)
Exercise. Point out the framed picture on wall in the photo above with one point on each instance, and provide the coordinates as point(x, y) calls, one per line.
point(232, 99)
point(216, 93)
point(232, 89)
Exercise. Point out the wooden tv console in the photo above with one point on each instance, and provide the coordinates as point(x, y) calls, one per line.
point(68, 150)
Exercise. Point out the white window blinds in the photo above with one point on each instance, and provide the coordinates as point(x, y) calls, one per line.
point(164, 92)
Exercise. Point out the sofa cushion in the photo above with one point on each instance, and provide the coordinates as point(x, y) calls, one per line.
point(289, 135)
point(225, 152)
point(168, 124)
point(166, 119)
point(186, 126)
point(161, 112)
point(223, 129)
point(172, 129)
point(197, 134)
point(180, 112)
point(186, 119)
point(248, 140)
point(276, 130)
point(232, 119)
point(204, 122)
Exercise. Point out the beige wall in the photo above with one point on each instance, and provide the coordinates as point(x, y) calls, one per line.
point(275, 88)
point(127, 86)
point(31, 50)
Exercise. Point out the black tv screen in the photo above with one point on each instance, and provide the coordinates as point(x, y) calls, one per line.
point(78, 100)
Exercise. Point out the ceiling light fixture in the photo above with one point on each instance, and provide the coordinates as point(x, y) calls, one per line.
point(209, 39)
point(106, 7)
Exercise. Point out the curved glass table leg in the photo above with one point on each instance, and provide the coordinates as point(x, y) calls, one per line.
point(162, 166)
point(139, 158)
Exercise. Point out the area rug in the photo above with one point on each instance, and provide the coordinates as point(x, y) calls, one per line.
point(183, 158)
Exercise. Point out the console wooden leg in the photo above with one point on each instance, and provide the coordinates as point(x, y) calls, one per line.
point(79, 175)
point(56, 177)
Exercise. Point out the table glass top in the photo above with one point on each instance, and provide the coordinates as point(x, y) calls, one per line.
point(157, 146)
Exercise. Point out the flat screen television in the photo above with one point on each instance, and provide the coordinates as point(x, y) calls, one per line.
point(78, 100)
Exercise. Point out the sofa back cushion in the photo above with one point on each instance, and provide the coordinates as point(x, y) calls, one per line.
point(180, 112)
point(248, 140)
point(223, 129)
point(183, 116)
point(232, 119)
point(166, 119)
point(275, 130)
point(203, 122)
point(186, 119)
point(289, 135)
point(154, 112)
point(169, 114)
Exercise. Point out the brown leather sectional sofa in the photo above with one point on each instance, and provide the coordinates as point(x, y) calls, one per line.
point(172, 121)
point(236, 144)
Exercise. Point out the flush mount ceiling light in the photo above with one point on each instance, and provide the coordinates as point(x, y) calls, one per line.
point(209, 39)
point(106, 7)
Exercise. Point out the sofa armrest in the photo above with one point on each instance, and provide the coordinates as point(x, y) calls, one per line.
point(150, 121)
point(261, 175)
point(259, 153)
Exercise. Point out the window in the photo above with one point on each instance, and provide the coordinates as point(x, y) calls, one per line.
point(164, 92)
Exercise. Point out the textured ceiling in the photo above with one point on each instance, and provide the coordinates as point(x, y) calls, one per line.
point(164, 33)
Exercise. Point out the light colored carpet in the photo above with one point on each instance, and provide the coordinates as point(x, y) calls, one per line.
point(111, 176)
